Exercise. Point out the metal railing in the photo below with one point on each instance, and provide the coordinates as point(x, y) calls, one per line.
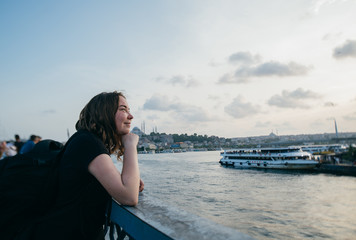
point(152, 219)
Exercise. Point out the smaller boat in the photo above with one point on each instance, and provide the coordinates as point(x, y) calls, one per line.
point(275, 158)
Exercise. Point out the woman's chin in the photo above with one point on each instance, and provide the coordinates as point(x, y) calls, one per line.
point(124, 132)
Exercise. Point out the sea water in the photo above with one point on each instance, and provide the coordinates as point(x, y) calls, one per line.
point(265, 204)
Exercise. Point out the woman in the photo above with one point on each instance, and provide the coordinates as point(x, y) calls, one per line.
point(88, 177)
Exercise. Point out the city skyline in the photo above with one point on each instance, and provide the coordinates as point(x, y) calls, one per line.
point(227, 68)
point(334, 135)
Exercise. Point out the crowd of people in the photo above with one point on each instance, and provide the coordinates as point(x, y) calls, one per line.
point(11, 148)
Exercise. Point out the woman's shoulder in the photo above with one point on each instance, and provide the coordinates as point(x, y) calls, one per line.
point(85, 143)
point(86, 139)
point(84, 135)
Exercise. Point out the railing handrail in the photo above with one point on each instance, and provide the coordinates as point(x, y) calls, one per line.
point(153, 219)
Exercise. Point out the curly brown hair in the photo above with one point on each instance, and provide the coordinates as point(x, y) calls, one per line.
point(98, 117)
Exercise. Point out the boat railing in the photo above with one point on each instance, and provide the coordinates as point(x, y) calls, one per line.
point(153, 219)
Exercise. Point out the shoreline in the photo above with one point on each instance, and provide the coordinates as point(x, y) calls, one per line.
point(341, 169)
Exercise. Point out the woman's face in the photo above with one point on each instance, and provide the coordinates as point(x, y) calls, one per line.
point(123, 117)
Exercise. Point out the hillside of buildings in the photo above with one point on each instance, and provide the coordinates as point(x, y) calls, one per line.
point(159, 142)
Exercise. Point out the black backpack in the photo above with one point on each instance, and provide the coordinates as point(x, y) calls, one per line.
point(28, 186)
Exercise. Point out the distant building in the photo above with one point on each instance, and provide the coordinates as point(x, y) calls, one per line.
point(183, 145)
point(137, 131)
point(148, 146)
point(272, 135)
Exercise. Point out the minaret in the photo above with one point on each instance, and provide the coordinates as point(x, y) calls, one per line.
point(143, 127)
point(337, 134)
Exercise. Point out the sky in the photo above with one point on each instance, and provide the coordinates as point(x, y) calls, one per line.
point(222, 68)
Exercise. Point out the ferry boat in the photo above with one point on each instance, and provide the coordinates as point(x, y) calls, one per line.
point(276, 158)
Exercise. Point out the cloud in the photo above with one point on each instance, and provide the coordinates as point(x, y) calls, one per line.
point(330, 119)
point(191, 113)
point(260, 124)
point(230, 78)
point(350, 117)
point(332, 36)
point(178, 110)
point(152, 117)
point(238, 108)
point(279, 69)
point(180, 81)
point(176, 80)
point(267, 69)
point(276, 125)
point(329, 104)
point(294, 99)
point(244, 58)
point(157, 102)
point(214, 97)
point(49, 111)
point(348, 49)
point(214, 63)
point(317, 5)
point(192, 83)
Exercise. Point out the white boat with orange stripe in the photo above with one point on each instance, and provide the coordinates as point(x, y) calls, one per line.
point(276, 158)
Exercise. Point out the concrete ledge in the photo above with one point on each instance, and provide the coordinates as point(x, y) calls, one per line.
point(152, 219)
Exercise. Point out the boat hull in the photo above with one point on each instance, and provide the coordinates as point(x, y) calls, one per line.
point(288, 165)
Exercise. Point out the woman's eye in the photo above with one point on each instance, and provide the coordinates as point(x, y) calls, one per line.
point(124, 110)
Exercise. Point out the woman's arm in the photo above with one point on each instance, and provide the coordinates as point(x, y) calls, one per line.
point(122, 187)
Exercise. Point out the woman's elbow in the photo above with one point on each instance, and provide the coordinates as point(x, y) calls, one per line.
point(132, 201)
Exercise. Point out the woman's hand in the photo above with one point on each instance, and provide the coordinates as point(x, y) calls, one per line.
point(142, 185)
point(130, 139)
